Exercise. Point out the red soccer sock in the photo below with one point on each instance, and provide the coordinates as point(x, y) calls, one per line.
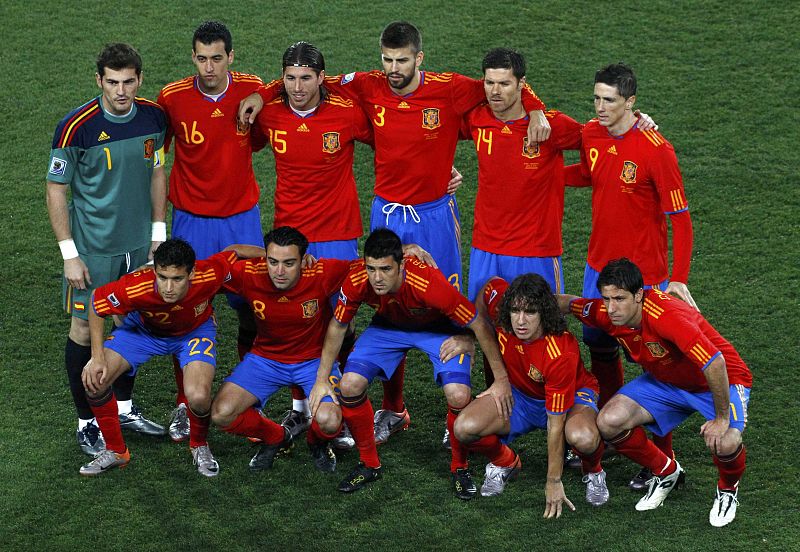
point(251, 423)
point(458, 450)
point(730, 469)
point(297, 393)
point(664, 444)
point(393, 390)
point(180, 396)
point(105, 411)
point(315, 435)
point(607, 368)
point(198, 428)
point(497, 453)
point(358, 416)
point(635, 445)
point(590, 463)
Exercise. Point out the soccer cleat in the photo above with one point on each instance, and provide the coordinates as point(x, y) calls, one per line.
point(658, 489)
point(90, 439)
point(324, 457)
point(358, 478)
point(497, 476)
point(296, 422)
point(264, 458)
point(205, 462)
point(596, 488)
point(344, 441)
point(572, 460)
point(639, 481)
point(105, 461)
point(179, 424)
point(463, 485)
point(134, 421)
point(446, 440)
point(388, 422)
point(724, 508)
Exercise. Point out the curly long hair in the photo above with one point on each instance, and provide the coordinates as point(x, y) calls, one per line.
point(531, 293)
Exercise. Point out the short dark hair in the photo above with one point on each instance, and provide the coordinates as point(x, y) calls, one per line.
point(210, 31)
point(285, 236)
point(504, 58)
point(531, 293)
point(621, 273)
point(401, 34)
point(619, 75)
point(117, 56)
point(304, 54)
point(383, 243)
point(174, 252)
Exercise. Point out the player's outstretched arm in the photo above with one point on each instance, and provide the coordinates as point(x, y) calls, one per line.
point(330, 348)
point(555, 497)
point(500, 390)
point(75, 270)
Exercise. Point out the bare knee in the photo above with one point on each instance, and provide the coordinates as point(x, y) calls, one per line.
point(729, 443)
point(583, 436)
point(611, 421)
point(79, 331)
point(458, 395)
point(467, 429)
point(223, 412)
point(329, 417)
point(352, 385)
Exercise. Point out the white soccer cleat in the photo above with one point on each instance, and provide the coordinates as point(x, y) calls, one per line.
point(724, 508)
point(497, 476)
point(205, 461)
point(596, 488)
point(659, 488)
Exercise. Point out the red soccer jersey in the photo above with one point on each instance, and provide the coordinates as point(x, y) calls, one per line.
point(520, 202)
point(635, 181)
point(315, 190)
point(212, 174)
point(138, 291)
point(291, 323)
point(416, 134)
point(424, 301)
point(549, 368)
point(674, 342)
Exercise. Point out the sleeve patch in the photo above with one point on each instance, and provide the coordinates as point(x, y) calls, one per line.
point(58, 166)
point(348, 77)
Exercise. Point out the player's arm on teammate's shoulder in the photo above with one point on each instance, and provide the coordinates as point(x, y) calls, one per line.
point(75, 270)
point(251, 106)
point(682, 242)
point(334, 337)
point(416, 251)
point(244, 251)
point(564, 301)
point(94, 373)
point(555, 497)
point(158, 198)
point(538, 125)
point(645, 122)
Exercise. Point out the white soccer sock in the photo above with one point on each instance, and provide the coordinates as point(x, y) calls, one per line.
point(83, 423)
point(301, 406)
point(124, 407)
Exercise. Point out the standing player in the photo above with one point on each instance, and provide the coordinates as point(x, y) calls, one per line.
point(416, 118)
point(168, 311)
point(415, 306)
point(108, 152)
point(552, 390)
point(689, 367)
point(212, 187)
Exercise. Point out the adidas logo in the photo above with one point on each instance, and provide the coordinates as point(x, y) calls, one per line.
point(403, 105)
point(505, 130)
point(217, 113)
point(303, 128)
point(103, 136)
point(612, 150)
point(283, 299)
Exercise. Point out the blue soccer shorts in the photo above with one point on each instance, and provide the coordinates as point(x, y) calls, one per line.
point(529, 413)
point(670, 405)
point(484, 265)
point(263, 377)
point(345, 250)
point(379, 349)
point(434, 226)
point(136, 344)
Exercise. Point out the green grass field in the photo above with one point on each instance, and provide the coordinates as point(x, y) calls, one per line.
point(719, 78)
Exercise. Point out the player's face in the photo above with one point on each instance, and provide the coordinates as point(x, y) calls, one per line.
point(401, 66)
point(212, 66)
point(283, 265)
point(302, 87)
point(526, 323)
point(385, 274)
point(624, 308)
point(173, 282)
point(613, 111)
point(119, 88)
point(503, 92)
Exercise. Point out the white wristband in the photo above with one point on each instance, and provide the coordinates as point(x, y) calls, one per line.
point(159, 232)
point(68, 249)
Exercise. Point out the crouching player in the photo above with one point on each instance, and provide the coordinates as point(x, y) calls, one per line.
point(415, 306)
point(551, 388)
point(169, 312)
point(689, 367)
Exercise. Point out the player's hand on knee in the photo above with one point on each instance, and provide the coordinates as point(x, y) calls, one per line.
point(320, 390)
point(713, 432)
point(555, 498)
point(76, 273)
point(94, 375)
point(681, 291)
point(500, 391)
point(456, 345)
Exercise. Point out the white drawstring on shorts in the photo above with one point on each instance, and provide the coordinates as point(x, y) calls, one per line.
point(390, 208)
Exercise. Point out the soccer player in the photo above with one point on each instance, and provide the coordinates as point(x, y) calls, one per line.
point(552, 390)
point(168, 311)
point(416, 118)
point(689, 367)
point(415, 306)
point(108, 153)
point(212, 186)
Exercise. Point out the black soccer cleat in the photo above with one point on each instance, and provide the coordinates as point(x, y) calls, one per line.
point(358, 478)
point(463, 485)
point(324, 457)
point(265, 457)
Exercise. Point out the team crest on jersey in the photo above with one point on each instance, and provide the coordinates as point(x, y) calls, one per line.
point(149, 148)
point(628, 175)
point(58, 166)
point(330, 142)
point(535, 374)
point(199, 309)
point(530, 151)
point(113, 300)
point(310, 308)
point(656, 349)
point(430, 118)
